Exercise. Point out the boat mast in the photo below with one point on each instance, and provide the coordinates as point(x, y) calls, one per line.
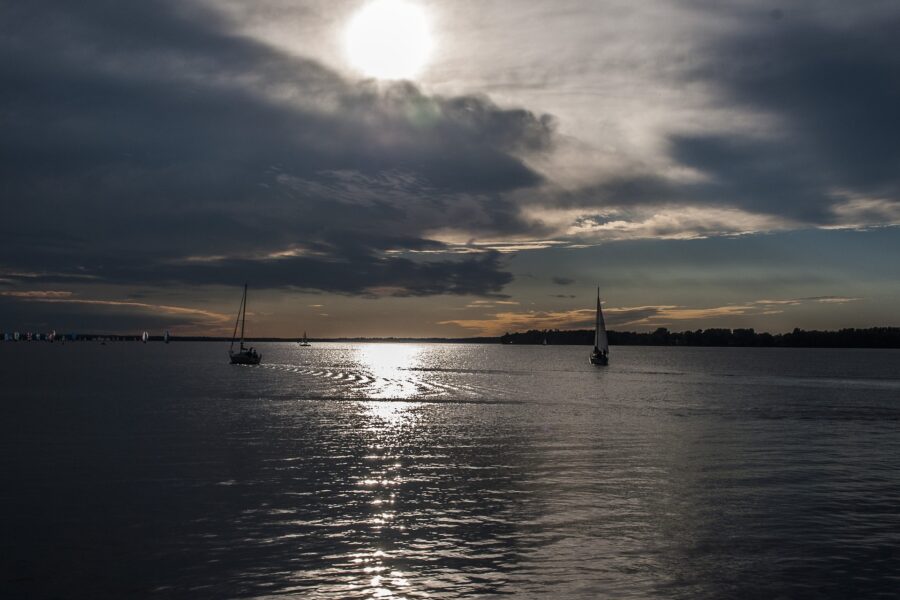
point(244, 316)
point(238, 320)
point(597, 322)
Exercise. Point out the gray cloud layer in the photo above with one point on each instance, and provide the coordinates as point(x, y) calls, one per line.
point(149, 143)
point(832, 88)
point(812, 138)
point(137, 136)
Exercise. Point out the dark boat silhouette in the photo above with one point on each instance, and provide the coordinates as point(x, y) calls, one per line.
point(244, 356)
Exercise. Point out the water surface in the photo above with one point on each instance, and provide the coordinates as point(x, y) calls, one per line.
point(448, 471)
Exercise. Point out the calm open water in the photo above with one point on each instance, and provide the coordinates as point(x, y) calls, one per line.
point(448, 471)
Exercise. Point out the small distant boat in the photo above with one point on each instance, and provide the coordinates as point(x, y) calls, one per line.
point(600, 354)
point(244, 356)
point(544, 342)
point(304, 341)
point(145, 336)
point(166, 336)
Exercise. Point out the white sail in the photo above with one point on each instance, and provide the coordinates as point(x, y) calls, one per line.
point(600, 340)
point(144, 337)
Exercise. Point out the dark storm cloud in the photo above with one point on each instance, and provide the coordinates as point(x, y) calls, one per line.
point(138, 135)
point(359, 273)
point(758, 176)
point(836, 86)
point(833, 88)
point(824, 86)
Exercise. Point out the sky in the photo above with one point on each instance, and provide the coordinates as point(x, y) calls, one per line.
point(706, 164)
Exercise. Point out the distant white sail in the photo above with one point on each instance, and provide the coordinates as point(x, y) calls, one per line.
point(145, 336)
point(600, 340)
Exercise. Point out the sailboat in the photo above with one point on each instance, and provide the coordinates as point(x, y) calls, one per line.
point(145, 336)
point(305, 340)
point(244, 356)
point(166, 336)
point(600, 354)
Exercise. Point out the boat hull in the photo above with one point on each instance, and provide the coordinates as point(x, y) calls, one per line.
point(245, 358)
point(599, 360)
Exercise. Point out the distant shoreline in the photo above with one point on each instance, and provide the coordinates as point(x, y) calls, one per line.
point(873, 337)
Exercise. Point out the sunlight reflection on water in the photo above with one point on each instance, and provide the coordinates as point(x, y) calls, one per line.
point(392, 368)
point(391, 365)
point(441, 471)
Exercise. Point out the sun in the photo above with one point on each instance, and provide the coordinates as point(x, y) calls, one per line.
point(389, 39)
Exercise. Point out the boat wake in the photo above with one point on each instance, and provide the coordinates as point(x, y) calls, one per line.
point(400, 384)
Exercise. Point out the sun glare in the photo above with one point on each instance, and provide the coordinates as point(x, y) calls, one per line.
point(389, 39)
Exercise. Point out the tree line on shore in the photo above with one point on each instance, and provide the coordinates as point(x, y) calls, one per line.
point(873, 337)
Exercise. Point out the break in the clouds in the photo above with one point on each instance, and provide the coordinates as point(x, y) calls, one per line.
point(194, 145)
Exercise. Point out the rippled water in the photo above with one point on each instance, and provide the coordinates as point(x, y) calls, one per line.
point(448, 471)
